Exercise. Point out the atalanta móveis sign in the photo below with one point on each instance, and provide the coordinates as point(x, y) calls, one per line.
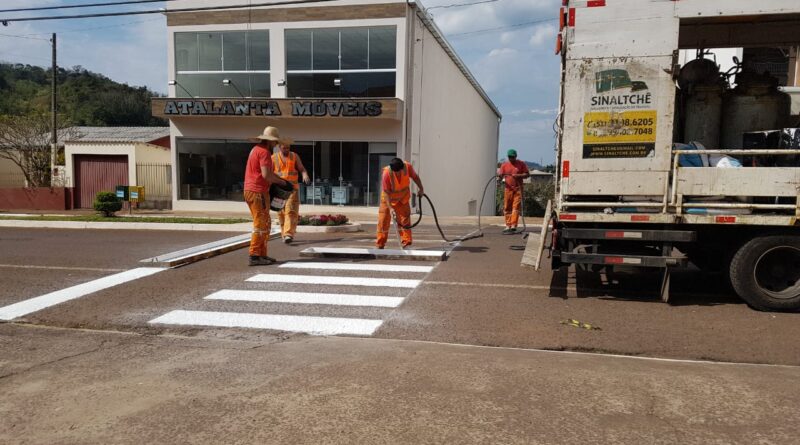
point(272, 108)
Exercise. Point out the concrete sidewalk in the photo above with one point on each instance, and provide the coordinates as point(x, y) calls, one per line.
point(356, 216)
point(76, 387)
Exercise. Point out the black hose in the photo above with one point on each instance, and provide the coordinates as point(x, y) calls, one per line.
point(472, 235)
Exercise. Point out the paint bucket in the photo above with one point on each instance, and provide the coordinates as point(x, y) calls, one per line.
point(279, 194)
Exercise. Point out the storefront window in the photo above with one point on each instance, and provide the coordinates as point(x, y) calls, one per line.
point(346, 62)
point(203, 62)
point(211, 170)
point(342, 173)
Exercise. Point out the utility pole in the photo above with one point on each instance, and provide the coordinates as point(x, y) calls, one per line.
point(54, 117)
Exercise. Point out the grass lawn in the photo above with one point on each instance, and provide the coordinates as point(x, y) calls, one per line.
point(127, 219)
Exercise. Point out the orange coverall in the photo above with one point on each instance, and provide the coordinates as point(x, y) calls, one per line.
point(259, 208)
point(396, 197)
point(286, 168)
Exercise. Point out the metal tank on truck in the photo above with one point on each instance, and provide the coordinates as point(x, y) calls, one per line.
point(755, 104)
point(701, 89)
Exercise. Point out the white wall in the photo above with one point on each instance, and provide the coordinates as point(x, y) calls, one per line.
point(453, 131)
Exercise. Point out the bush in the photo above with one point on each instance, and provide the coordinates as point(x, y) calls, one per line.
point(534, 197)
point(323, 220)
point(107, 203)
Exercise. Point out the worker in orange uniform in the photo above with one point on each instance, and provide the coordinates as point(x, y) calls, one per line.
point(258, 176)
point(396, 197)
point(513, 172)
point(289, 166)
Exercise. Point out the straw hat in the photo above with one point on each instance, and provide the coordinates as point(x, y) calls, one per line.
point(270, 134)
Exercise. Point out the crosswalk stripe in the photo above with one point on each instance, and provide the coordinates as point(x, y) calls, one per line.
point(305, 298)
point(335, 281)
point(71, 293)
point(290, 323)
point(358, 267)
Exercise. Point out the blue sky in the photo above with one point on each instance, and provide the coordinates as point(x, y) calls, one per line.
point(515, 64)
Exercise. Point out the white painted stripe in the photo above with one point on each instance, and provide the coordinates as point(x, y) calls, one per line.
point(74, 269)
point(335, 281)
point(290, 323)
point(37, 304)
point(358, 267)
point(305, 298)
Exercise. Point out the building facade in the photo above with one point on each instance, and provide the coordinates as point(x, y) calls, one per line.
point(354, 83)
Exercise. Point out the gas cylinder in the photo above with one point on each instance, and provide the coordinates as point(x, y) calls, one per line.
point(703, 115)
point(755, 104)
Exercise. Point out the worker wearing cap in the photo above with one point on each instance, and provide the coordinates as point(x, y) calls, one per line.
point(288, 165)
point(513, 172)
point(258, 176)
point(396, 197)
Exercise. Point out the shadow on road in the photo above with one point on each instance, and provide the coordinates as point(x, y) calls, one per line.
point(689, 288)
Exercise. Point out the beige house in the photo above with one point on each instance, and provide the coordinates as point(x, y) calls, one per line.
point(353, 82)
point(101, 158)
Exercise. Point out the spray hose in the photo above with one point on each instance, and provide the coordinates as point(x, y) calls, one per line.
point(472, 235)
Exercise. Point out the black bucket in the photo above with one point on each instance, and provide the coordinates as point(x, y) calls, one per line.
point(278, 195)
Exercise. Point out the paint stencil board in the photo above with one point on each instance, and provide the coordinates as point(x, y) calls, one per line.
point(383, 254)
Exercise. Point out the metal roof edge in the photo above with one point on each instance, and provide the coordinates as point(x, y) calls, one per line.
point(426, 18)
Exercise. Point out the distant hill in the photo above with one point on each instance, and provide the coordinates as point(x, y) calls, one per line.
point(85, 98)
point(534, 166)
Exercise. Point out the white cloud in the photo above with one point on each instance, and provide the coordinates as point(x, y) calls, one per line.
point(502, 52)
point(543, 34)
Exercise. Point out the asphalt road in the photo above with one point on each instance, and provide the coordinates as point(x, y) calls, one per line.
point(480, 296)
point(416, 352)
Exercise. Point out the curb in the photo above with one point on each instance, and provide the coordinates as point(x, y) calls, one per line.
point(346, 228)
point(204, 251)
point(242, 227)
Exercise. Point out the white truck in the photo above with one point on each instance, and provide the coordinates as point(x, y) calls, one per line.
point(663, 164)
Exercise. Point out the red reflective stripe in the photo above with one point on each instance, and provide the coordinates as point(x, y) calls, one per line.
point(559, 44)
point(614, 260)
point(562, 19)
point(567, 217)
point(640, 218)
point(596, 3)
point(565, 170)
point(726, 219)
point(571, 17)
point(615, 234)
point(564, 2)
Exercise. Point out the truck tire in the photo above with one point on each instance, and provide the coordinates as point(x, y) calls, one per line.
point(765, 272)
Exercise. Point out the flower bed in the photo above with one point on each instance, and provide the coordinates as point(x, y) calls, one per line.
point(323, 220)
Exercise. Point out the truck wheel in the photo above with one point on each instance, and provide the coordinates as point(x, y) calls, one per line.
point(765, 272)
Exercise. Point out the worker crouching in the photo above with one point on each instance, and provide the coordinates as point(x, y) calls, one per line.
point(288, 165)
point(396, 198)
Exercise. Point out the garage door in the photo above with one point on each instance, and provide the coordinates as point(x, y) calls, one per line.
point(96, 173)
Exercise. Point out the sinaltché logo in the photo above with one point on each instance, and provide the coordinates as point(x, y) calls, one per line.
point(616, 79)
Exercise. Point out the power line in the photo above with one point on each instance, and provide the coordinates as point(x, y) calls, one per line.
point(5, 22)
point(24, 37)
point(84, 5)
point(458, 5)
point(500, 28)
